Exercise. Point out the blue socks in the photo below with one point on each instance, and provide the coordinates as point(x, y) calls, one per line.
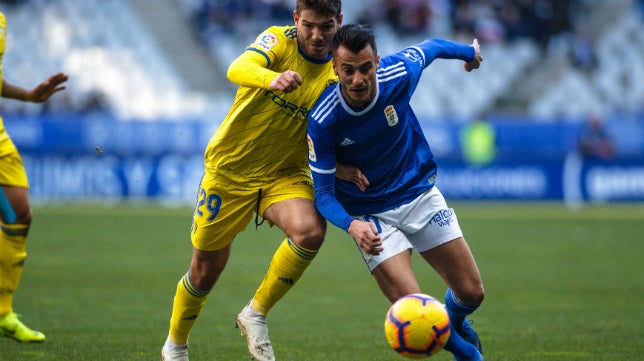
point(456, 310)
point(457, 313)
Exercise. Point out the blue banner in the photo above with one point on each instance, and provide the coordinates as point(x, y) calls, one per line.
point(100, 159)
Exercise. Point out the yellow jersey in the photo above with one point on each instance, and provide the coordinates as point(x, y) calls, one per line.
point(263, 136)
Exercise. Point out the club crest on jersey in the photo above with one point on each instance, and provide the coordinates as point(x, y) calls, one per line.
point(312, 155)
point(267, 41)
point(390, 114)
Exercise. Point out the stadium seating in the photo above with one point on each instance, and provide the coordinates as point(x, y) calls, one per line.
point(106, 52)
point(115, 61)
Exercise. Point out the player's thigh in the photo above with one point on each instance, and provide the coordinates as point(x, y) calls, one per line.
point(221, 212)
point(288, 203)
point(395, 276)
point(454, 262)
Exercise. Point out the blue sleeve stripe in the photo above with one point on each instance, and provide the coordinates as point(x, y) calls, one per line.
point(268, 60)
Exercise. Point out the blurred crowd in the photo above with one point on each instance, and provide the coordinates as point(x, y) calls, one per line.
point(488, 20)
point(211, 18)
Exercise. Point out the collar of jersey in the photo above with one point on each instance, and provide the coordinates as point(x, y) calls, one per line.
point(357, 111)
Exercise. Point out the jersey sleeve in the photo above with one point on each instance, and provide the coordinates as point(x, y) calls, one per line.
point(249, 70)
point(252, 68)
point(432, 49)
point(322, 164)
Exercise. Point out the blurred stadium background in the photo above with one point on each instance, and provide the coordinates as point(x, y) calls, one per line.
point(147, 88)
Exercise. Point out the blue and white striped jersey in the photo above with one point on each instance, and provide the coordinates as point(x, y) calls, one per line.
point(384, 139)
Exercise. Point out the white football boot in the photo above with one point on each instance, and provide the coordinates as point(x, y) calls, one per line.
point(172, 352)
point(253, 325)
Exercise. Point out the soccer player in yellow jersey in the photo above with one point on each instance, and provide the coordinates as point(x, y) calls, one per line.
point(256, 162)
point(14, 203)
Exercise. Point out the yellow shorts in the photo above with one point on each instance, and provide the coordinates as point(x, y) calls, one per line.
point(225, 208)
point(12, 171)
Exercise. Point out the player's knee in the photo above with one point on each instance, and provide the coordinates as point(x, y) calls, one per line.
point(474, 294)
point(24, 217)
point(309, 235)
point(310, 238)
point(23, 214)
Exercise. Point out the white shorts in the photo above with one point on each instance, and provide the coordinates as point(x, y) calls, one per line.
point(422, 224)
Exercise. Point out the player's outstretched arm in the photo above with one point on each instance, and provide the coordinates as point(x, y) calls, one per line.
point(40, 93)
point(474, 64)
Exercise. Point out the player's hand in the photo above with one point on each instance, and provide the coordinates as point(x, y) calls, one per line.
point(474, 64)
point(351, 174)
point(286, 82)
point(47, 88)
point(366, 235)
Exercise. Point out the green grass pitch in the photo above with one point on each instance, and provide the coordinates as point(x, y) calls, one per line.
point(560, 285)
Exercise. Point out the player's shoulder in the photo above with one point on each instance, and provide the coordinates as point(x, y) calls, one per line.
point(325, 108)
point(275, 36)
point(398, 67)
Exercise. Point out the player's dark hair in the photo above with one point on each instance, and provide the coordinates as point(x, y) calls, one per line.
point(354, 37)
point(326, 7)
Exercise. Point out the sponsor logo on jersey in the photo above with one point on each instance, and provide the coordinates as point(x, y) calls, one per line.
point(392, 116)
point(300, 113)
point(267, 41)
point(312, 155)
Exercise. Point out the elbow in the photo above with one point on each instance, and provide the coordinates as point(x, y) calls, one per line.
point(232, 71)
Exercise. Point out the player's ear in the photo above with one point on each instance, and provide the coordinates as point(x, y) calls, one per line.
point(335, 69)
point(295, 17)
point(340, 20)
point(377, 61)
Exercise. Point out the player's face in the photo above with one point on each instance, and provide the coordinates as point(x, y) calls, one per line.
point(315, 32)
point(357, 74)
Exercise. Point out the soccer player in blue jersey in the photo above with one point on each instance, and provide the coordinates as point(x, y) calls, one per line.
point(366, 121)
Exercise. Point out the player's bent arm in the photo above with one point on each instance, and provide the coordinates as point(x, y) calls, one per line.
point(249, 70)
point(326, 202)
point(446, 49)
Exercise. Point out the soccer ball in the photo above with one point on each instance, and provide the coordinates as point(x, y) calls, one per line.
point(417, 326)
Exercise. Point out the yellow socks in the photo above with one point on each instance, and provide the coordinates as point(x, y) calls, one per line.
point(13, 244)
point(188, 303)
point(288, 265)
